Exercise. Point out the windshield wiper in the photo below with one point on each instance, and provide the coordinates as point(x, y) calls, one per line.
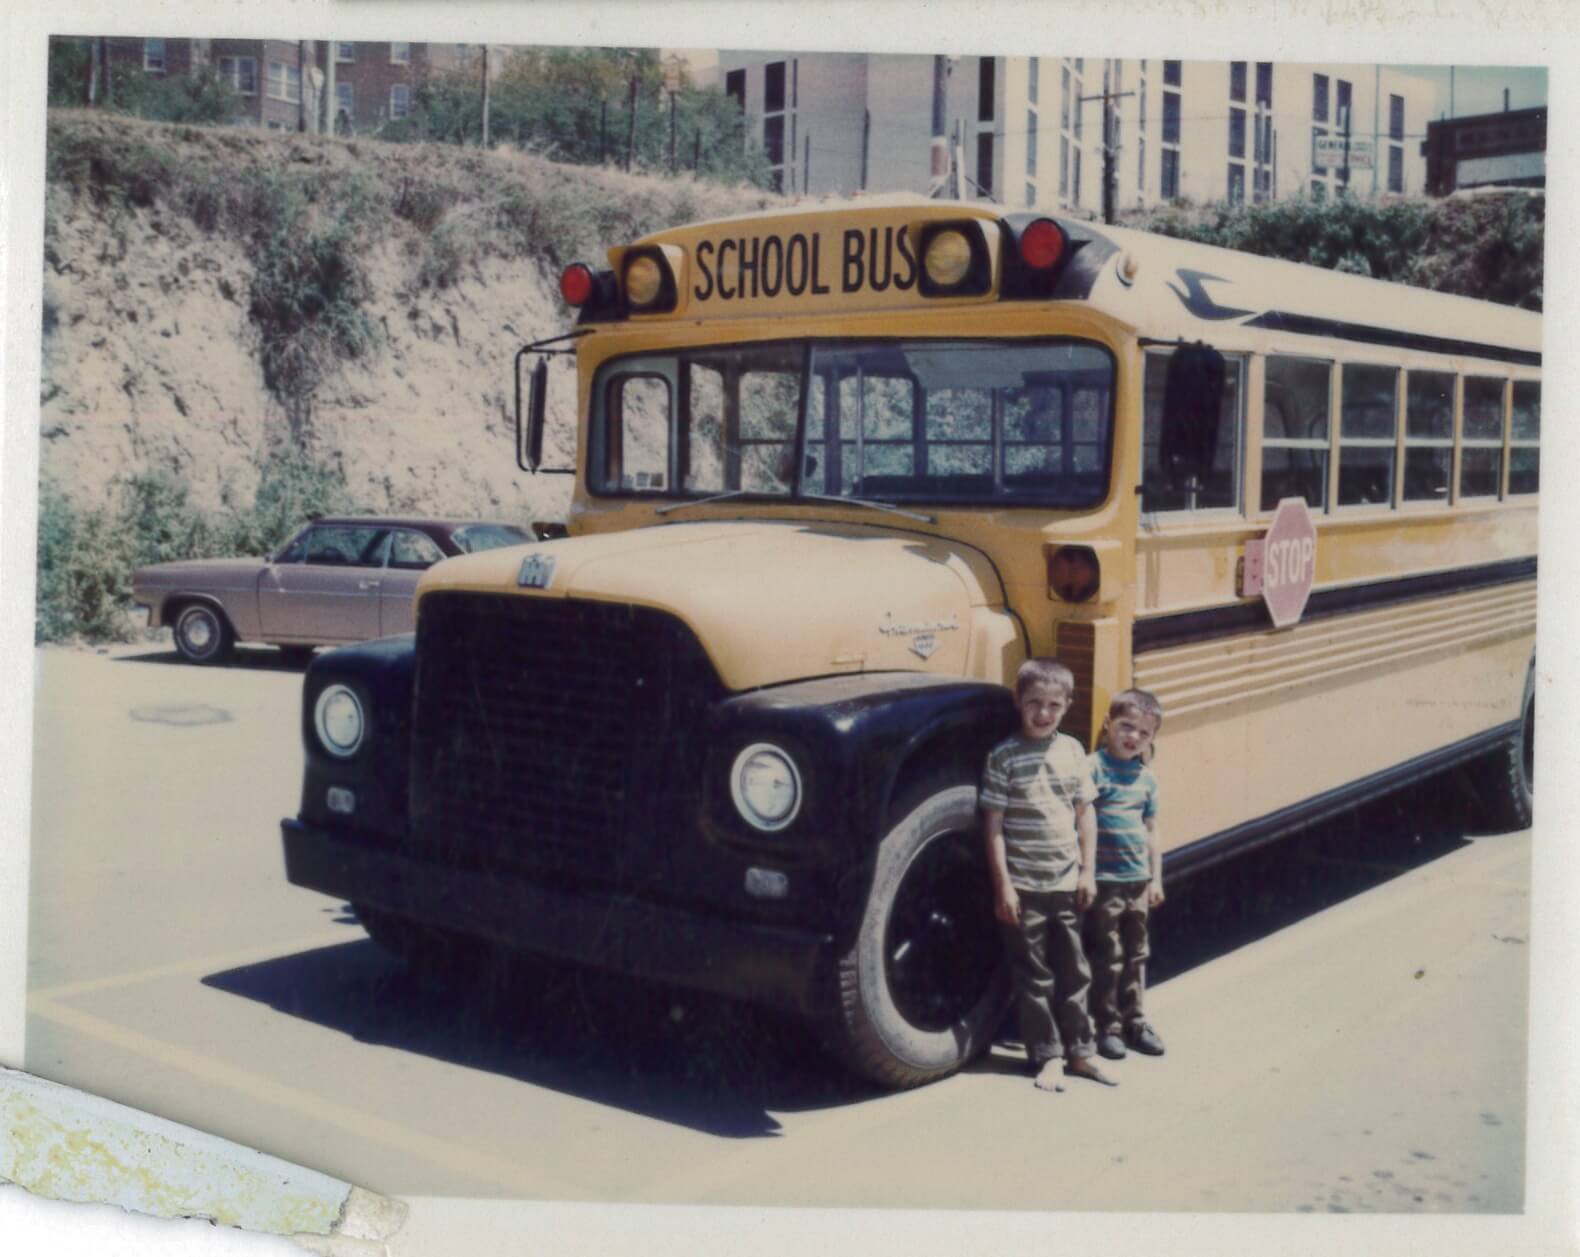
point(870, 504)
point(712, 497)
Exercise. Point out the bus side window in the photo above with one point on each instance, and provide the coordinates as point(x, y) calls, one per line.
point(1295, 460)
point(1525, 431)
point(1222, 488)
point(1428, 435)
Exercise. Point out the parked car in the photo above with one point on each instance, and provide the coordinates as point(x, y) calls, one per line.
point(338, 580)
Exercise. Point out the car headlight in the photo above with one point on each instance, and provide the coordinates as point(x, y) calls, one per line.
point(766, 786)
point(338, 720)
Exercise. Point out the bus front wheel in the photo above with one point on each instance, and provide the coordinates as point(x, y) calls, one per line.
point(923, 985)
point(1505, 780)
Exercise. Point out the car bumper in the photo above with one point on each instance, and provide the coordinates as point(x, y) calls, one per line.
point(769, 965)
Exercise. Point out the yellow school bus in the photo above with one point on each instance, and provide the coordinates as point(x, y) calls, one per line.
point(839, 471)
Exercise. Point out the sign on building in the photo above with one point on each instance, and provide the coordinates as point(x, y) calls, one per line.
point(1330, 152)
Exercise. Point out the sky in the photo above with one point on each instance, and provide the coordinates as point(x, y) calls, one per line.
point(1479, 89)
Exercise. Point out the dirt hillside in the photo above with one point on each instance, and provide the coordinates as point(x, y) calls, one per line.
point(153, 344)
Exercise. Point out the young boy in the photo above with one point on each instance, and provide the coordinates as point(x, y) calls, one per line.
point(1040, 835)
point(1129, 874)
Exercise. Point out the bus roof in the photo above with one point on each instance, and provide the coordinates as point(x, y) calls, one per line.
point(1160, 286)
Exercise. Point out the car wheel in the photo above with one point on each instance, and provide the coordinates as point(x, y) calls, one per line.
point(924, 985)
point(1505, 779)
point(203, 635)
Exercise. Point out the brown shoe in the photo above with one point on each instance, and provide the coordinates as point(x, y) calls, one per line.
point(1086, 1067)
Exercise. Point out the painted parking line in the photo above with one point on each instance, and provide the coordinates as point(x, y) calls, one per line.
point(509, 1175)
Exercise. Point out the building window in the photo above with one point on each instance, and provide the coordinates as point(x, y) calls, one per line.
point(1237, 80)
point(1236, 133)
point(154, 56)
point(1171, 117)
point(1141, 105)
point(984, 163)
point(1342, 116)
point(1236, 183)
point(1031, 78)
point(773, 86)
point(1319, 97)
point(735, 88)
point(285, 81)
point(1031, 193)
point(1395, 168)
point(1141, 166)
point(241, 73)
point(1428, 436)
point(1317, 134)
point(1368, 424)
point(1064, 167)
point(774, 139)
point(985, 75)
point(1064, 97)
point(345, 100)
point(345, 53)
point(1481, 439)
point(1295, 431)
point(1080, 110)
point(1031, 142)
point(1264, 83)
point(400, 54)
point(1395, 117)
point(1170, 188)
point(400, 100)
point(1075, 178)
point(1171, 73)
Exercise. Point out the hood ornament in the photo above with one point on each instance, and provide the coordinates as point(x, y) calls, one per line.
point(537, 570)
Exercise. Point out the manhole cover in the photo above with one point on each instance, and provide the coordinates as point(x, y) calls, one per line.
point(181, 714)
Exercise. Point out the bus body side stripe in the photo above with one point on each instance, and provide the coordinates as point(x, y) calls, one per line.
point(1249, 617)
point(1337, 329)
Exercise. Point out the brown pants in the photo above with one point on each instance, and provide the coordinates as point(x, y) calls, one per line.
point(1048, 969)
point(1116, 942)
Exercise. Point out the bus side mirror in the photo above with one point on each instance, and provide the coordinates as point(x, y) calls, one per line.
point(529, 438)
point(1192, 408)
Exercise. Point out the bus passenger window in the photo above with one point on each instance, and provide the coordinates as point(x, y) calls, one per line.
point(1295, 432)
point(770, 402)
point(1428, 436)
point(1481, 438)
point(1222, 490)
point(1525, 430)
point(1367, 428)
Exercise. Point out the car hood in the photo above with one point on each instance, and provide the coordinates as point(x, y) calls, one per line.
point(770, 601)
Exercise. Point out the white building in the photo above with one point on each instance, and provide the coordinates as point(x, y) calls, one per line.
point(1029, 130)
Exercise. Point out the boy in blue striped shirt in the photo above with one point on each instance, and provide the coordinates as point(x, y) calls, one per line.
point(1129, 874)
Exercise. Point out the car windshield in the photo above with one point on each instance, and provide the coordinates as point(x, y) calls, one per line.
point(970, 421)
point(475, 537)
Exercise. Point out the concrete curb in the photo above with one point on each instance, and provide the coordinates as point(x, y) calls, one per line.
point(71, 1146)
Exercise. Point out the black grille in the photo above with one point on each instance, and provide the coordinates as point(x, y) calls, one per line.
point(545, 729)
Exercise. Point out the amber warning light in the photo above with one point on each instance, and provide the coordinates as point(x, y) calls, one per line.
point(1073, 573)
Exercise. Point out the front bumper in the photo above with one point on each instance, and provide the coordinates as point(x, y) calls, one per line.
point(769, 965)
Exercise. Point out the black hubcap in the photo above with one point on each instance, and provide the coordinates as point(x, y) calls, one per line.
point(942, 948)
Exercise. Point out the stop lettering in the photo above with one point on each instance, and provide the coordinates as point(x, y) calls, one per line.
point(1289, 562)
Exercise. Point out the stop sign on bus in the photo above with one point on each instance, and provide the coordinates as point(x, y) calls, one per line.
point(1282, 564)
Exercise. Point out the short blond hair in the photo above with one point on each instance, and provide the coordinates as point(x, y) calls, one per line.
point(1136, 703)
point(1041, 670)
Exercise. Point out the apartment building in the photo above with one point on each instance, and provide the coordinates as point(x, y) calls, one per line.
point(369, 82)
point(1030, 130)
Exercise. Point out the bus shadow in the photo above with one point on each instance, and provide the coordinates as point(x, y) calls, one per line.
point(695, 1060)
point(244, 659)
point(1251, 896)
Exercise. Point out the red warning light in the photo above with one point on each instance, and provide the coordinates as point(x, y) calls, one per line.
point(1041, 244)
point(576, 284)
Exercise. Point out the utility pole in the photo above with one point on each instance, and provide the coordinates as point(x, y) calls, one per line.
point(671, 132)
point(603, 131)
point(93, 71)
point(1376, 125)
point(331, 92)
point(866, 138)
point(939, 165)
point(301, 84)
point(487, 95)
point(1110, 148)
point(630, 133)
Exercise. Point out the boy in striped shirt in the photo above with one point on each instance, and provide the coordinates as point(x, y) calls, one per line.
point(1037, 825)
point(1129, 874)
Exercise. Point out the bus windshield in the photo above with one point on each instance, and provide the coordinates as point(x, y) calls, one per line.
point(922, 421)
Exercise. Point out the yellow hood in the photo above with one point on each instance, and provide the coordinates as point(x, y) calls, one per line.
point(774, 601)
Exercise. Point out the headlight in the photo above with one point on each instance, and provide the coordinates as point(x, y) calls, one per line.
point(765, 786)
point(338, 720)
